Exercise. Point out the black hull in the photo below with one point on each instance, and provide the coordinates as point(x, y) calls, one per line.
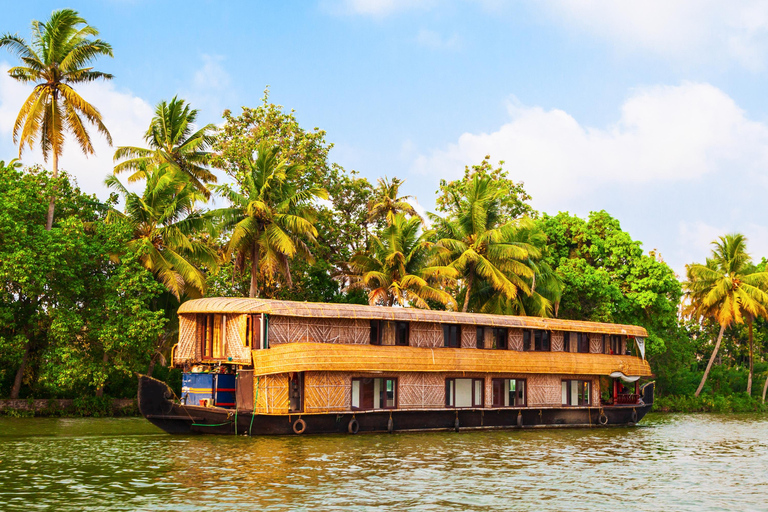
point(156, 404)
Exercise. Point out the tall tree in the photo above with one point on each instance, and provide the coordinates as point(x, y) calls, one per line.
point(386, 203)
point(59, 56)
point(164, 222)
point(397, 269)
point(172, 142)
point(270, 217)
point(475, 242)
point(726, 289)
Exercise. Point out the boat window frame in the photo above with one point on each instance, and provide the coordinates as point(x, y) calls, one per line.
point(480, 337)
point(582, 402)
point(517, 381)
point(566, 341)
point(581, 336)
point(384, 380)
point(376, 340)
point(500, 338)
point(450, 392)
point(207, 336)
point(447, 335)
point(407, 336)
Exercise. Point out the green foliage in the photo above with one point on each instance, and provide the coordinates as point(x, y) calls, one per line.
point(80, 318)
point(513, 199)
point(707, 403)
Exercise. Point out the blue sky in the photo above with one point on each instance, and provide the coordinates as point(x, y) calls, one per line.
point(654, 111)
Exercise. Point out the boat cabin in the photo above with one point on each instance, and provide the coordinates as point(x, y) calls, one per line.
point(309, 358)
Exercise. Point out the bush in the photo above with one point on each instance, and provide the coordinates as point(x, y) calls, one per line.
point(709, 403)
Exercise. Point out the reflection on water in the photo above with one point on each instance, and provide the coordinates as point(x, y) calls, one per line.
point(680, 462)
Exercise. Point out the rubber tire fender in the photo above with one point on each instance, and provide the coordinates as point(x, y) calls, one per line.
point(603, 419)
point(390, 425)
point(353, 426)
point(634, 416)
point(519, 419)
point(456, 424)
point(299, 426)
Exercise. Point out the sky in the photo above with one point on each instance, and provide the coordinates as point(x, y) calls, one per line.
point(654, 111)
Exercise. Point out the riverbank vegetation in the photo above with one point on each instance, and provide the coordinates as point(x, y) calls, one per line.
point(90, 288)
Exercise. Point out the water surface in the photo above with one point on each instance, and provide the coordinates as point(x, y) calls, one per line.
point(671, 462)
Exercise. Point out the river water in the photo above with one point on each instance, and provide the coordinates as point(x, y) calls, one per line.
point(669, 462)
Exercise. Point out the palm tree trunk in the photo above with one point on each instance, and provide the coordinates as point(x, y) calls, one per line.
point(51, 204)
point(254, 291)
point(711, 360)
point(749, 381)
point(16, 389)
point(765, 388)
point(469, 289)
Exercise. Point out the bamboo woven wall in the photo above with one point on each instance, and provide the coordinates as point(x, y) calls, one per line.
point(188, 347)
point(327, 391)
point(595, 343)
point(426, 335)
point(346, 311)
point(557, 341)
point(468, 336)
point(331, 391)
point(190, 341)
point(272, 393)
point(515, 341)
point(234, 340)
point(286, 329)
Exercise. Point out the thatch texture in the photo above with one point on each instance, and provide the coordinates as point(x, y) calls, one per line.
point(421, 391)
point(515, 341)
point(557, 341)
point(347, 311)
point(595, 343)
point(366, 358)
point(327, 391)
point(286, 329)
point(272, 393)
point(426, 335)
point(188, 349)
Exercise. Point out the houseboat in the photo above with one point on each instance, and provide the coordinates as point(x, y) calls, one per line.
point(256, 366)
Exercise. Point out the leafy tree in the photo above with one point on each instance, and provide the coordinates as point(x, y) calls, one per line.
point(396, 270)
point(513, 199)
point(164, 221)
point(726, 288)
point(385, 203)
point(173, 143)
point(65, 307)
point(59, 56)
point(270, 215)
point(476, 241)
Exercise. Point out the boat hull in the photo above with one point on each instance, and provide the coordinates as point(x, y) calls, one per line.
point(157, 405)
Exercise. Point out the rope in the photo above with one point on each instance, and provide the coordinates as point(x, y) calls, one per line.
point(210, 424)
point(255, 401)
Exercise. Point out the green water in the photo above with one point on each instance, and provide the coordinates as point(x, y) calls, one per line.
point(671, 462)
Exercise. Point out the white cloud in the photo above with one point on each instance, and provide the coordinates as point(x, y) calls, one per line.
point(687, 29)
point(375, 8)
point(125, 115)
point(695, 240)
point(664, 134)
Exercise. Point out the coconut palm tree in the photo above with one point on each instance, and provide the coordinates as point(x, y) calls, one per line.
point(475, 243)
point(172, 142)
point(396, 271)
point(726, 289)
point(58, 57)
point(163, 221)
point(269, 216)
point(385, 203)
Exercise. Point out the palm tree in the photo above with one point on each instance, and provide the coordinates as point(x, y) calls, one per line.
point(386, 204)
point(395, 270)
point(474, 242)
point(172, 142)
point(60, 55)
point(726, 289)
point(269, 217)
point(163, 221)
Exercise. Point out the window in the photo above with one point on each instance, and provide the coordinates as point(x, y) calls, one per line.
point(576, 392)
point(480, 337)
point(603, 343)
point(401, 333)
point(253, 331)
point(615, 344)
point(526, 340)
point(508, 392)
point(500, 338)
point(541, 341)
point(379, 393)
point(464, 392)
point(376, 332)
point(566, 342)
point(452, 335)
point(211, 333)
point(296, 392)
point(583, 341)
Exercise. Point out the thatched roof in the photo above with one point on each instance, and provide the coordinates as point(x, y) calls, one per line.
point(299, 357)
point(323, 310)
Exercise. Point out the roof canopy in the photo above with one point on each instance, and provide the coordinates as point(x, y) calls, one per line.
point(323, 310)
